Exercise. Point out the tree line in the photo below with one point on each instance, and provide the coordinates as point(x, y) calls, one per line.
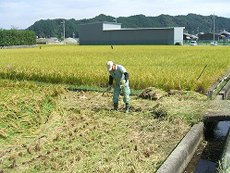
point(193, 24)
point(17, 37)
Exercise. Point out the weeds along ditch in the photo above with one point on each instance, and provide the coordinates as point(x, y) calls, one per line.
point(45, 127)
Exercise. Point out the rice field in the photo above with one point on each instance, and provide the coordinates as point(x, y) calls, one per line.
point(46, 128)
point(166, 67)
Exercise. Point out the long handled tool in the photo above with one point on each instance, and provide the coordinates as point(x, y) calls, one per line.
point(202, 72)
point(101, 94)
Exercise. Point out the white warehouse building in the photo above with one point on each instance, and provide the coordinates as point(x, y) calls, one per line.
point(109, 33)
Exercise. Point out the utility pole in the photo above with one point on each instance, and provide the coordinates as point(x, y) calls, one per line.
point(214, 28)
point(63, 29)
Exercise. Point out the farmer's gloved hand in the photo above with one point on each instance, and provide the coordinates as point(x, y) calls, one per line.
point(123, 82)
point(109, 88)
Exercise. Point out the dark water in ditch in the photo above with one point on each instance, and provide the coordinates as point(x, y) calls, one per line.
point(209, 152)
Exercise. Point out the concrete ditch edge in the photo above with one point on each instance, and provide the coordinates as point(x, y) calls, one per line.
point(225, 91)
point(217, 84)
point(183, 153)
point(225, 161)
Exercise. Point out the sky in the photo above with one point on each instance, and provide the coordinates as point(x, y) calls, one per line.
point(20, 14)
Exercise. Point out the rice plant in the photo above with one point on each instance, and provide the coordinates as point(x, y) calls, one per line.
point(166, 67)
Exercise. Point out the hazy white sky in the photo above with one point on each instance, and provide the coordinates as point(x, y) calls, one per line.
point(23, 13)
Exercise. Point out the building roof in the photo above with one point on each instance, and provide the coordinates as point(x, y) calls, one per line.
point(133, 29)
point(224, 33)
point(188, 36)
point(130, 29)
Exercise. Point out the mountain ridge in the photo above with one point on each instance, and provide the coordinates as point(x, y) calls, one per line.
point(193, 23)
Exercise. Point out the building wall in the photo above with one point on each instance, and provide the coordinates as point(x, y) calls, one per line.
point(178, 35)
point(139, 37)
point(108, 26)
point(97, 34)
point(90, 33)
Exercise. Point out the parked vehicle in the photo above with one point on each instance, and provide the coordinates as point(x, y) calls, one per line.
point(193, 43)
point(214, 43)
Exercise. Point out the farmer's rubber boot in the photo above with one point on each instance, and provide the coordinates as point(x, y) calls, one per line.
point(127, 107)
point(115, 106)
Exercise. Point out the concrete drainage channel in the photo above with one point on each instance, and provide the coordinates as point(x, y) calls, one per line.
point(183, 153)
point(193, 153)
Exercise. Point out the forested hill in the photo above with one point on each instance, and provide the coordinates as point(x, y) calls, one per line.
point(193, 24)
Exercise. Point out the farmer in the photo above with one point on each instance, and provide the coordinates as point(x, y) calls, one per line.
point(121, 77)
